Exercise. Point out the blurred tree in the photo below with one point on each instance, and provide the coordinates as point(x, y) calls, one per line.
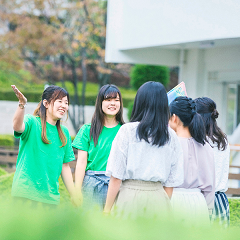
point(45, 35)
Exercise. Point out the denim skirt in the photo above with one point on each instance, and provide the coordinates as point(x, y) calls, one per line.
point(94, 190)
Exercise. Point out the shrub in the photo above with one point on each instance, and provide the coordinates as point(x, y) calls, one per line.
point(144, 73)
point(6, 140)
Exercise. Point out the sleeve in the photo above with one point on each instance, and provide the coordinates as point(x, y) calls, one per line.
point(207, 175)
point(28, 121)
point(117, 161)
point(176, 176)
point(69, 154)
point(82, 139)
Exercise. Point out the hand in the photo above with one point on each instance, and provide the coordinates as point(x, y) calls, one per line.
point(22, 99)
point(77, 199)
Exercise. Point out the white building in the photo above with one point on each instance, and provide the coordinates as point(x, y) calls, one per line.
point(202, 37)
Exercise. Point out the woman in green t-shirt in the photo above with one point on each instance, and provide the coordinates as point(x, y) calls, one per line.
point(45, 148)
point(94, 142)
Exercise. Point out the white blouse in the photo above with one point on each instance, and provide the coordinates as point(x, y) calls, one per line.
point(131, 158)
point(221, 159)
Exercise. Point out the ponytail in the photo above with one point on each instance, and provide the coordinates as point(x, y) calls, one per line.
point(197, 129)
point(185, 109)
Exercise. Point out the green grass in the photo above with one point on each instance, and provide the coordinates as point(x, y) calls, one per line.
point(24, 223)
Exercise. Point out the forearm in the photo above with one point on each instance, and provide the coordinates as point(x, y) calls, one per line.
point(169, 191)
point(79, 174)
point(67, 178)
point(113, 189)
point(18, 124)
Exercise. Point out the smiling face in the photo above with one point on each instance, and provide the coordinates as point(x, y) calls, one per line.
point(56, 110)
point(111, 106)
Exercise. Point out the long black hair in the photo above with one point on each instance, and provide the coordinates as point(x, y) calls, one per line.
point(107, 91)
point(151, 110)
point(206, 107)
point(51, 94)
point(185, 109)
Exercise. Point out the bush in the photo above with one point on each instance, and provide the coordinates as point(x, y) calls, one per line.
point(6, 140)
point(234, 205)
point(144, 73)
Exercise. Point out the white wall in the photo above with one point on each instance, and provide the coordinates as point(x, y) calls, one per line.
point(134, 24)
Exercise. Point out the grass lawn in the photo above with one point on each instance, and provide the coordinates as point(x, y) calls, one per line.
point(5, 194)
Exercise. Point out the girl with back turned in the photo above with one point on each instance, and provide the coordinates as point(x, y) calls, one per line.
point(206, 107)
point(193, 200)
point(145, 161)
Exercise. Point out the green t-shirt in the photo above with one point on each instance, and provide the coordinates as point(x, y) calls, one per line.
point(97, 155)
point(39, 165)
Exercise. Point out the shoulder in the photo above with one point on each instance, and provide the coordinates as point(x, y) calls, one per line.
point(129, 126)
point(29, 118)
point(128, 129)
point(85, 128)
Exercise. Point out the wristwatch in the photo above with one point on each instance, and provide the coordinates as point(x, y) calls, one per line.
point(22, 106)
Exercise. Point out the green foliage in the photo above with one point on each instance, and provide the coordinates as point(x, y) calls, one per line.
point(144, 73)
point(234, 212)
point(6, 140)
point(20, 78)
point(24, 223)
point(130, 108)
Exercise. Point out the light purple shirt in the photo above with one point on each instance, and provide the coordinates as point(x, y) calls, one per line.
point(199, 168)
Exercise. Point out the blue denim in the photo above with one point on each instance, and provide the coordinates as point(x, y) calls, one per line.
point(94, 189)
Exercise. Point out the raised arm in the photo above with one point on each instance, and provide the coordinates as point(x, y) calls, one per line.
point(80, 173)
point(18, 124)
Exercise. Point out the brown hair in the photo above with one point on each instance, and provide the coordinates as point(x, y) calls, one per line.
point(51, 94)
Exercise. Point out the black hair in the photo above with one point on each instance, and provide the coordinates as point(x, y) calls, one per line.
point(206, 107)
point(51, 94)
point(185, 109)
point(151, 110)
point(107, 91)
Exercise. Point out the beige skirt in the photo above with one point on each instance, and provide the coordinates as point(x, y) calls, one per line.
point(190, 207)
point(142, 199)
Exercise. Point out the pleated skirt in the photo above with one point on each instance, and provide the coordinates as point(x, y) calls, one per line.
point(141, 199)
point(190, 207)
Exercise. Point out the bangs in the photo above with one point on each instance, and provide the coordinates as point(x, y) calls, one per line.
point(111, 93)
point(59, 94)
